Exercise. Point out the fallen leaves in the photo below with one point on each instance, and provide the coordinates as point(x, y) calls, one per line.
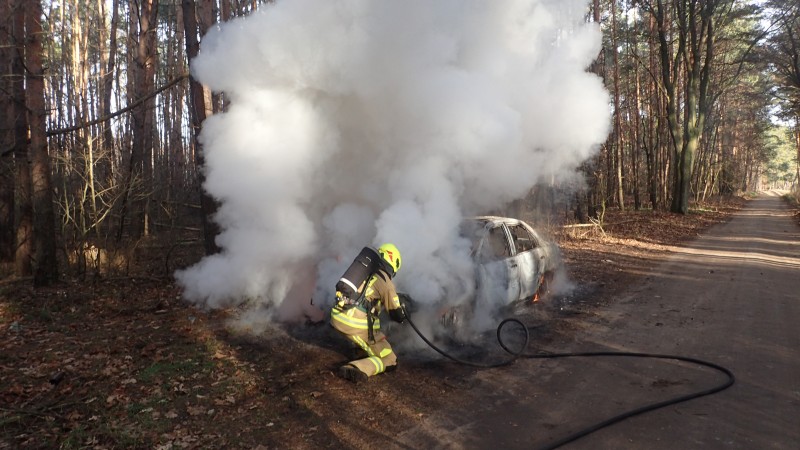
point(229, 400)
point(196, 410)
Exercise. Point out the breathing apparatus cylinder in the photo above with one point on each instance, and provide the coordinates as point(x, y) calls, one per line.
point(352, 282)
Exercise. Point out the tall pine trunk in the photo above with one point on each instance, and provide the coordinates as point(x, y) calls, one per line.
point(797, 143)
point(46, 268)
point(6, 135)
point(106, 83)
point(685, 71)
point(198, 111)
point(139, 165)
point(618, 138)
point(23, 254)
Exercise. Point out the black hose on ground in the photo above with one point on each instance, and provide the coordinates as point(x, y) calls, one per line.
point(514, 355)
point(608, 422)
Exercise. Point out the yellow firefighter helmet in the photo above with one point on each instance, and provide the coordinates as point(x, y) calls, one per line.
point(391, 255)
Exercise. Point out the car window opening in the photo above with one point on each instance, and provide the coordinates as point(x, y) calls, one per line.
point(523, 241)
point(496, 245)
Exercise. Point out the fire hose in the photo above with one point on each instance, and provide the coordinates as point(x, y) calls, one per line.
point(605, 423)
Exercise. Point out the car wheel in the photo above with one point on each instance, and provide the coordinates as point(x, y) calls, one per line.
point(454, 317)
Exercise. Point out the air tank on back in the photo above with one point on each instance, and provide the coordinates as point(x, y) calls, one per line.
point(365, 264)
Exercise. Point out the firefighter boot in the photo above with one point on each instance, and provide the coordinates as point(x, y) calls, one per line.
point(351, 373)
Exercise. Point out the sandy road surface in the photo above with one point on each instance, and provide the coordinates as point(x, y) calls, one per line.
point(732, 297)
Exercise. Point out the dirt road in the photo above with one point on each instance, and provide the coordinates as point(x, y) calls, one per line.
point(731, 297)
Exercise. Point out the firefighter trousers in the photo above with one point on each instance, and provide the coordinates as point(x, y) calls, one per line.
point(353, 324)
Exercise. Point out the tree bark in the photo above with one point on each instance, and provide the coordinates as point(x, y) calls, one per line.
point(797, 144)
point(139, 167)
point(636, 119)
point(692, 67)
point(198, 113)
point(46, 269)
point(593, 195)
point(106, 85)
point(7, 112)
point(23, 254)
point(618, 140)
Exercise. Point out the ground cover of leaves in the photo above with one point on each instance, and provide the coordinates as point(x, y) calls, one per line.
point(125, 363)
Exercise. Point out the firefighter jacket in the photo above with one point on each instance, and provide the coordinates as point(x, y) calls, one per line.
point(354, 320)
point(380, 294)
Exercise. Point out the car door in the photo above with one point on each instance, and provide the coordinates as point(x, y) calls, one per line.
point(542, 252)
point(527, 259)
point(498, 272)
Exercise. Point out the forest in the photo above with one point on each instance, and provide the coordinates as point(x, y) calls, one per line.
point(100, 119)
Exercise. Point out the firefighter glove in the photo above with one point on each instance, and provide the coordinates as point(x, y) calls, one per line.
point(398, 315)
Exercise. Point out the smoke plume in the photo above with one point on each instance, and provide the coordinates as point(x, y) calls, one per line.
point(358, 122)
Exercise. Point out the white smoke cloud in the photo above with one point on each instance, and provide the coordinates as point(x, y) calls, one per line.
point(357, 122)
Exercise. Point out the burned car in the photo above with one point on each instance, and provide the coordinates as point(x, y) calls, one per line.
point(514, 261)
point(513, 264)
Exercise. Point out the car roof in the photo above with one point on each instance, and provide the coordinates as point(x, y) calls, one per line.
point(496, 220)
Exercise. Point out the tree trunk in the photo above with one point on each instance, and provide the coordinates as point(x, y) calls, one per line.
point(106, 85)
point(85, 213)
point(139, 167)
point(652, 142)
point(618, 140)
point(797, 143)
point(7, 112)
point(198, 114)
point(46, 271)
point(23, 254)
point(669, 75)
point(594, 195)
point(691, 67)
point(580, 207)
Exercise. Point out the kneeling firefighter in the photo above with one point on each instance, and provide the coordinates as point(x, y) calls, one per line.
point(363, 291)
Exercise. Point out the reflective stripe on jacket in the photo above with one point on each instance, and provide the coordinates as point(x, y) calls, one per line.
point(352, 317)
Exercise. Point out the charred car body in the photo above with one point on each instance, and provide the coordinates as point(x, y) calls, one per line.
point(514, 261)
point(513, 264)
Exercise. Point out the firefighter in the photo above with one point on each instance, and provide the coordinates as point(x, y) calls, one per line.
point(357, 319)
